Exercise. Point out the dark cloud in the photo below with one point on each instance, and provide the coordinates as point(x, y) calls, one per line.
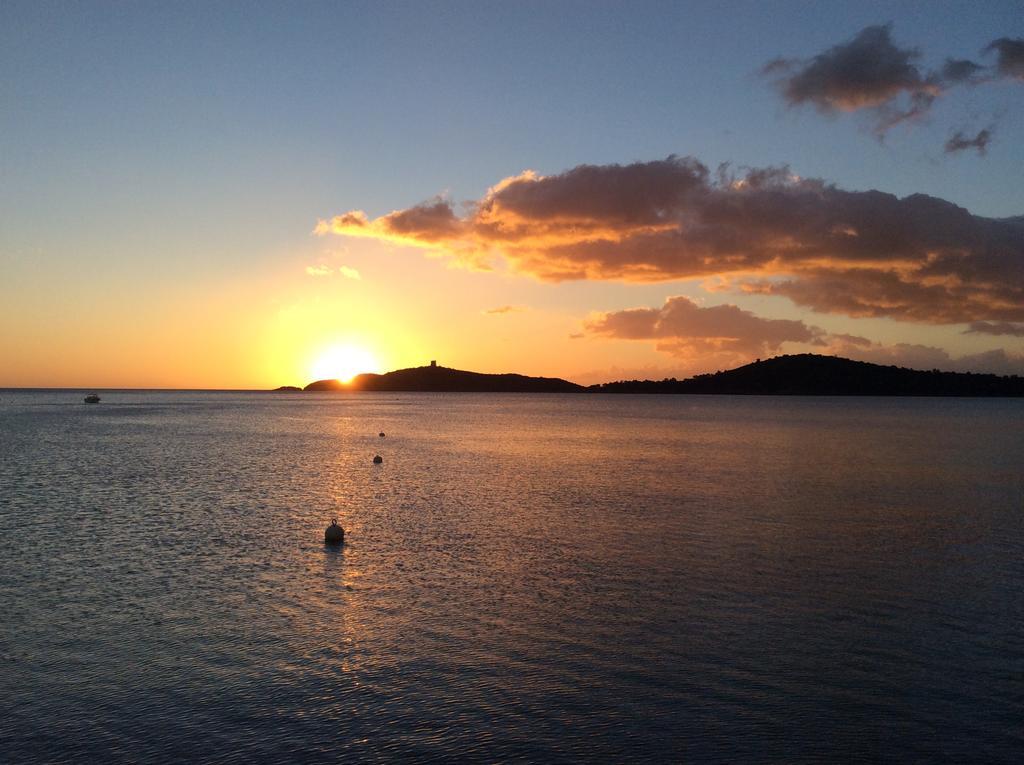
point(867, 72)
point(503, 309)
point(861, 253)
point(686, 329)
point(1009, 56)
point(871, 73)
point(995, 328)
point(963, 70)
point(911, 296)
point(960, 142)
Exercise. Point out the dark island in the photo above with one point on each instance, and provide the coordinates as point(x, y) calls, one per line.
point(799, 375)
point(445, 380)
point(810, 374)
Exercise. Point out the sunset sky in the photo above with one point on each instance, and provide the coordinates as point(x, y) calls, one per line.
point(229, 195)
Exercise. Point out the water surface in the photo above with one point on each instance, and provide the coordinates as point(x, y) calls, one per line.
point(535, 577)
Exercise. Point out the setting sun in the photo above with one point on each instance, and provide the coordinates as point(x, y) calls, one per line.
point(343, 362)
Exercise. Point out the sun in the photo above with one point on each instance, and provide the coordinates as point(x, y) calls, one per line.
point(343, 362)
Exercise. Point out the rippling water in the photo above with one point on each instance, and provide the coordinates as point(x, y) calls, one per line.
point(530, 577)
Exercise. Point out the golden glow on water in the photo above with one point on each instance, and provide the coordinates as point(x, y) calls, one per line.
point(343, 362)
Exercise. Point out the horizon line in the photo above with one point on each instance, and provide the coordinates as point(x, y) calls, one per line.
point(437, 366)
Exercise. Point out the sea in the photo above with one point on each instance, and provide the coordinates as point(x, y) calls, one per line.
point(525, 578)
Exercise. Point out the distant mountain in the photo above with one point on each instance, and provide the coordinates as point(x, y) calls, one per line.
point(444, 379)
point(813, 375)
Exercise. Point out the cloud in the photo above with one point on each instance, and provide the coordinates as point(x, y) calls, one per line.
point(910, 355)
point(860, 253)
point(870, 73)
point(996, 361)
point(855, 340)
point(960, 142)
point(915, 356)
point(684, 329)
point(995, 328)
point(503, 309)
point(867, 72)
point(1009, 57)
point(724, 336)
point(325, 270)
point(963, 71)
point(434, 219)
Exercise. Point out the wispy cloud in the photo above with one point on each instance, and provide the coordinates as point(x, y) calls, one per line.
point(349, 273)
point(503, 310)
point(860, 253)
point(995, 328)
point(325, 270)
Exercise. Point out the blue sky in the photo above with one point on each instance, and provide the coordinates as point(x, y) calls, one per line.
point(152, 144)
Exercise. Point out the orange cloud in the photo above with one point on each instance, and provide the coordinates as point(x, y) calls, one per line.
point(726, 335)
point(722, 334)
point(861, 253)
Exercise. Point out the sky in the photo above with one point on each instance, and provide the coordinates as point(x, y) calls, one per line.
point(247, 195)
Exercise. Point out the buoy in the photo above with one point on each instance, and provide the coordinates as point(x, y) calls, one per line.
point(335, 534)
point(381, 434)
point(377, 460)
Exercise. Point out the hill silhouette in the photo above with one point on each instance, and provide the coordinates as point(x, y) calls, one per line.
point(446, 380)
point(810, 374)
point(805, 374)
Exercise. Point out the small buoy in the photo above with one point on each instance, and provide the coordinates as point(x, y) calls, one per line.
point(335, 534)
point(381, 434)
point(377, 460)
